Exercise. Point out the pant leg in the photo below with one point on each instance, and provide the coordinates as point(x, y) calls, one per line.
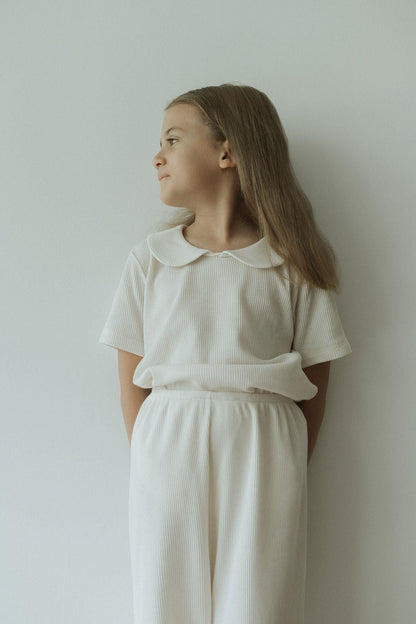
point(168, 511)
point(258, 498)
point(218, 510)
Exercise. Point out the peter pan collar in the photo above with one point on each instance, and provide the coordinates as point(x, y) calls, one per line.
point(170, 247)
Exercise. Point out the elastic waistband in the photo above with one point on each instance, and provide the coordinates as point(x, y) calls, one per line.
point(259, 397)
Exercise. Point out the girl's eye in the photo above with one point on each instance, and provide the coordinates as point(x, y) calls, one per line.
point(171, 140)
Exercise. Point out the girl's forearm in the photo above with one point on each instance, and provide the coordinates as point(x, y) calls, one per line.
point(131, 400)
point(313, 410)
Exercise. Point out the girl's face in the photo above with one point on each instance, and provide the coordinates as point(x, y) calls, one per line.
point(192, 164)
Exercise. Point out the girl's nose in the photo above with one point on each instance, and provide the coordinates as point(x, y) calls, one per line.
point(157, 160)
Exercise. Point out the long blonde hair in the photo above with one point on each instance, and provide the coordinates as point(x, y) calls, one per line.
point(270, 195)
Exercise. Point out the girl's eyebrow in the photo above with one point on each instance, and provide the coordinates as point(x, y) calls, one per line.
point(172, 128)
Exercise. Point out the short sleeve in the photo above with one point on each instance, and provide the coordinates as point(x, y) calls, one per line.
point(318, 332)
point(123, 328)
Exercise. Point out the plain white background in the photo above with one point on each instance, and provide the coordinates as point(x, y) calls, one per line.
point(83, 87)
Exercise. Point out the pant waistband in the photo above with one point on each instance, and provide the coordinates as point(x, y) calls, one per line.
point(259, 397)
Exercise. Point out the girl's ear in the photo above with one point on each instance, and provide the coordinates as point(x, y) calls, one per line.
point(226, 157)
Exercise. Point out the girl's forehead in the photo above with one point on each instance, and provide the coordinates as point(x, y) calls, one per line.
point(184, 116)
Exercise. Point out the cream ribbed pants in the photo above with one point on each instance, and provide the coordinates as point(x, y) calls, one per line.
point(217, 508)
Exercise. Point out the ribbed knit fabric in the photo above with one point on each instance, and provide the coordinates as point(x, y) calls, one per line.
point(220, 321)
point(218, 471)
point(218, 509)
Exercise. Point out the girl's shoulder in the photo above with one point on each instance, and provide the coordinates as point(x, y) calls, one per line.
point(141, 253)
point(161, 245)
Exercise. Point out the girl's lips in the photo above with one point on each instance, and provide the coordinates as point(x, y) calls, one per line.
point(163, 177)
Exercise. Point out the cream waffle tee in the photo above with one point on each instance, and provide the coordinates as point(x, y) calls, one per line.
point(220, 321)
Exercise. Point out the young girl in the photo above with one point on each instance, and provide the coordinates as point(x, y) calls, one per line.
point(226, 321)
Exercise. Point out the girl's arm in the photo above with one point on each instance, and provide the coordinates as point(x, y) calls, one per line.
point(313, 410)
point(131, 396)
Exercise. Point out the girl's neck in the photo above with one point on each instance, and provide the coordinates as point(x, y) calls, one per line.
point(241, 236)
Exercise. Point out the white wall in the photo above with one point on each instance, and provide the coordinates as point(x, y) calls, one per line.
point(83, 90)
